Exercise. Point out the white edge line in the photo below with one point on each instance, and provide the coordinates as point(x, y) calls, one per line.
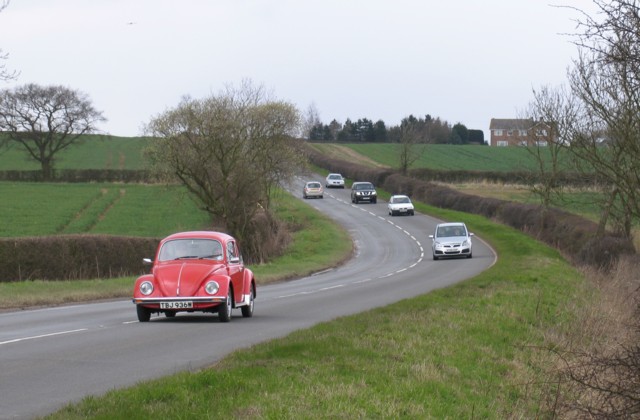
point(17, 340)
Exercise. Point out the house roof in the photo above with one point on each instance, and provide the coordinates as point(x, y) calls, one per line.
point(510, 124)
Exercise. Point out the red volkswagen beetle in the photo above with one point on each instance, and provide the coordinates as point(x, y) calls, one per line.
point(196, 272)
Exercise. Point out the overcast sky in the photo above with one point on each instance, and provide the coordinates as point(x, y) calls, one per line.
point(464, 61)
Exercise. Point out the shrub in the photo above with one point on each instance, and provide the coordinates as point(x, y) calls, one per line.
point(70, 257)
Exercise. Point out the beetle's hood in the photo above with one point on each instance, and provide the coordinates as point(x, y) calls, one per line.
point(183, 278)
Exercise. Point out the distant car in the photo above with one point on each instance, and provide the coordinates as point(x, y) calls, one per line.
point(400, 204)
point(363, 191)
point(196, 272)
point(334, 181)
point(312, 189)
point(451, 240)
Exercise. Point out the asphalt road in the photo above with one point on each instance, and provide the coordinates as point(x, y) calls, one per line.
point(50, 357)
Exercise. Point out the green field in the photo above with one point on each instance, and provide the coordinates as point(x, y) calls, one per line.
point(29, 209)
point(449, 157)
point(108, 152)
point(94, 152)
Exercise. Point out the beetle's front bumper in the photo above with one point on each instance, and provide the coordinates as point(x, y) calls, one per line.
point(180, 303)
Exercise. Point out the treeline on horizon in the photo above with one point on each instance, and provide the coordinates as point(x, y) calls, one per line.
point(426, 130)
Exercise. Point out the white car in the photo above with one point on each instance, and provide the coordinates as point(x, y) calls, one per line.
point(400, 204)
point(451, 240)
point(334, 181)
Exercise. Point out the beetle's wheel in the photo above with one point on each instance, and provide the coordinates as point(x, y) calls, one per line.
point(247, 310)
point(144, 314)
point(224, 312)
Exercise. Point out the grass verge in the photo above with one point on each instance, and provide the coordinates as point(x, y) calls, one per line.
point(317, 243)
point(467, 351)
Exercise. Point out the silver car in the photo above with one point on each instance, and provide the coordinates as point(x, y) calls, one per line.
point(451, 240)
point(312, 189)
point(334, 181)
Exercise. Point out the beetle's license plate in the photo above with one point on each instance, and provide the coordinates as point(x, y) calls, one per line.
point(176, 305)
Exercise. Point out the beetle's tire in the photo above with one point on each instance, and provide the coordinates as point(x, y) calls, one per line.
point(247, 311)
point(224, 311)
point(435, 258)
point(470, 255)
point(144, 314)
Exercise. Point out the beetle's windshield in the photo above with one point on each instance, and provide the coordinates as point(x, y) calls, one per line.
point(190, 248)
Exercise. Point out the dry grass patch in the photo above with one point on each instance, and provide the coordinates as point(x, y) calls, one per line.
point(597, 359)
point(345, 153)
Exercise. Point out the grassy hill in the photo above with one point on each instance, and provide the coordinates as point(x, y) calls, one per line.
point(438, 156)
point(94, 152)
point(110, 152)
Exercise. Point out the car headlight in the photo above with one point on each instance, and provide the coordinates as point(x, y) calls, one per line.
point(212, 287)
point(146, 288)
point(466, 243)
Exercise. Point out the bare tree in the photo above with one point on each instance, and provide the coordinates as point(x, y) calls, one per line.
point(606, 80)
point(409, 151)
point(229, 150)
point(551, 118)
point(310, 120)
point(5, 74)
point(44, 120)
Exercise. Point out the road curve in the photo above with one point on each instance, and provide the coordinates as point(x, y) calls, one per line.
point(50, 357)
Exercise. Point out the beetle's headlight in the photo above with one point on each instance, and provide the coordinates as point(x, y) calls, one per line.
point(146, 288)
point(212, 287)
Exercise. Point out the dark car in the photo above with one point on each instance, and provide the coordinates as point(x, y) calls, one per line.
point(363, 192)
